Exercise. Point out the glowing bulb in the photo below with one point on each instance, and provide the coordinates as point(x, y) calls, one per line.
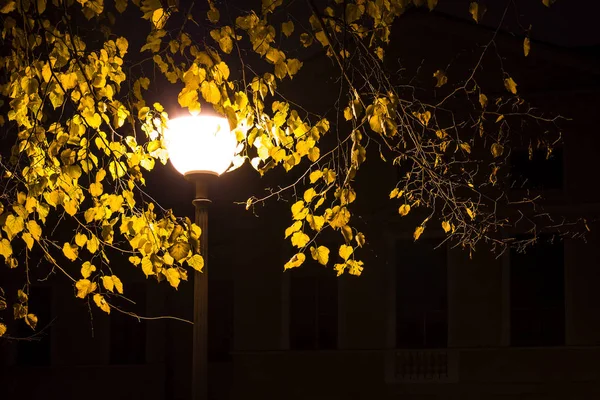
point(200, 144)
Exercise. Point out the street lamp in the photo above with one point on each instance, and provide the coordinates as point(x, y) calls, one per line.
point(200, 148)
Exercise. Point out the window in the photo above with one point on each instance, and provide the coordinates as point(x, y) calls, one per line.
point(127, 334)
point(313, 308)
point(220, 320)
point(38, 350)
point(421, 295)
point(541, 172)
point(537, 295)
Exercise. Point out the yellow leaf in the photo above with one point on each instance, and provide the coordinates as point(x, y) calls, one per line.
point(41, 7)
point(497, 149)
point(320, 254)
point(147, 266)
point(118, 284)
point(293, 228)
point(300, 239)
point(2, 326)
point(446, 226)
point(20, 311)
point(13, 225)
point(85, 287)
point(309, 195)
point(31, 320)
point(210, 92)
point(70, 251)
point(477, 11)
point(315, 176)
point(404, 209)
point(432, 4)
point(92, 244)
point(28, 240)
point(213, 14)
point(316, 222)
point(548, 3)
point(293, 66)
point(418, 232)
point(80, 239)
point(5, 249)
point(483, 100)
point(101, 303)
point(299, 212)
point(159, 18)
point(510, 85)
point(179, 251)
point(360, 239)
point(86, 269)
point(196, 261)
point(47, 72)
point(9, 6)
point(296, 261)
point(122, 45)
point(108, 283)
point(470, 212)
point(121, 5)
point(345, 251)
point(394, 193)
point(173, 277)
point(441, 77)
point(22, 296)
point(287, 28)
point(526, 46)
point(500, 118)
point(466, 147)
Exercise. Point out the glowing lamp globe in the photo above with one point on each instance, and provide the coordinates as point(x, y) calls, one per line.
point(200, 144)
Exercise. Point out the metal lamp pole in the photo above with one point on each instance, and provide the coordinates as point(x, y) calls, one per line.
point(200, 331)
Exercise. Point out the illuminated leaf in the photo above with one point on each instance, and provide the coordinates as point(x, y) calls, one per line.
point(287, 28)
point(31, 320)
point(441, 77)
point(477, 11)
point(86, 269)
point(108, 283)
point(446, 226)
point(118, 284)
point(179, 251)
point(196, 261)
point(5, 249)
point(345, 251)
point(404, 209)
point(360, 239)
point(299, 212)
point(296, 261)
point(92, 244)
point(85, 287)
point(300, 239)
point(526, 46)
point(28, 240)
point(101, 303)
point(173, 277)
point(483, 100)
point(293, 228)
point(320, 254)
point(309, 194)
point(80, 239)
point(159, 18)
point(497, 149)
point(2, 326)
point(418, 232)
point(70, 251)
point(510, 85)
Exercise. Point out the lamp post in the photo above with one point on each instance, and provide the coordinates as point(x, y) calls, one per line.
point(200, 148)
